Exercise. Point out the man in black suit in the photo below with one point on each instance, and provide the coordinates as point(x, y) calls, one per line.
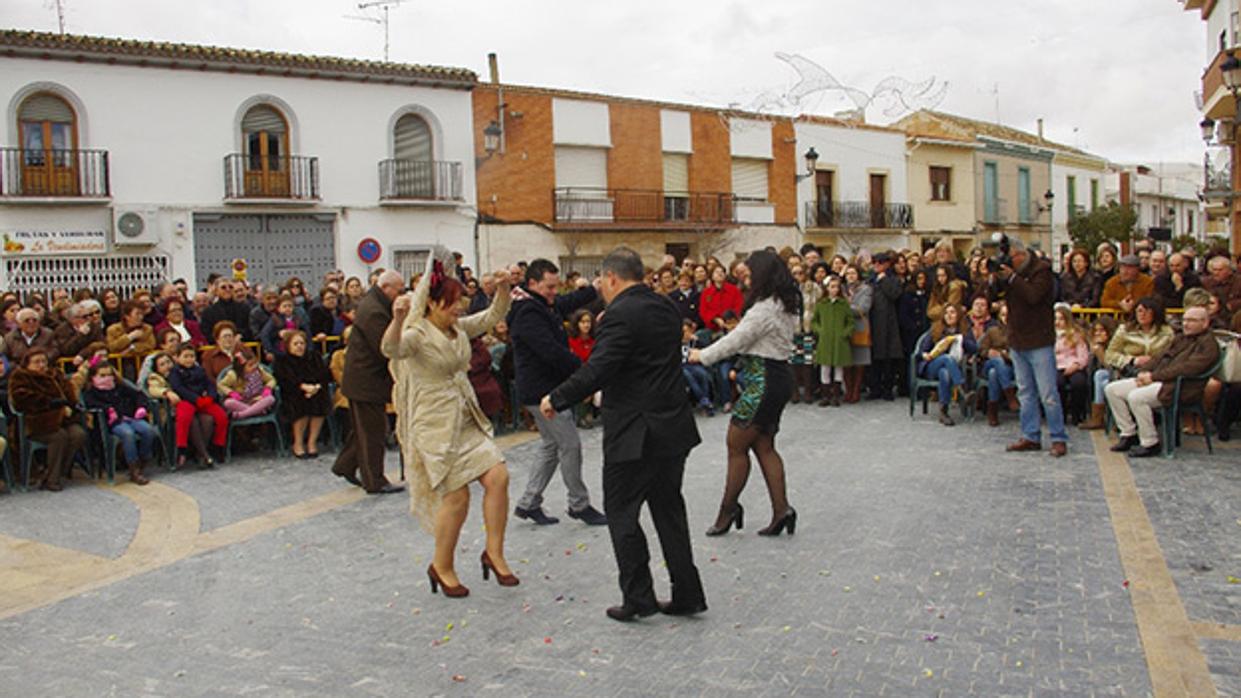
point(648, 431)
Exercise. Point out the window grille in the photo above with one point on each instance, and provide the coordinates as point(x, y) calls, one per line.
point(125, 273)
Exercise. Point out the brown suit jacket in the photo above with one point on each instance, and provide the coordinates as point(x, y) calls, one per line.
point(1115, 291)
point(366, 377)
point(15, 345)
point(1185, 357)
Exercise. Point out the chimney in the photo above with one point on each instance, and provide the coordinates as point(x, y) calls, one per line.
point(1040, 126)
point(494, 65)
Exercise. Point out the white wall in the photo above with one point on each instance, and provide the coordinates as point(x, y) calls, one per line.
point(1060, 204)
point(750, 138)
point(676, 134)
point(167, 133)
point(1218, 21)
point(853, 154)
point(578, 122)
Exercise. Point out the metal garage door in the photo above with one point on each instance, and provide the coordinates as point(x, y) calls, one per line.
point(274, 247)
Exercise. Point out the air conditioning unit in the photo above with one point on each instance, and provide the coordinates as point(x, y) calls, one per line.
point(135, 226)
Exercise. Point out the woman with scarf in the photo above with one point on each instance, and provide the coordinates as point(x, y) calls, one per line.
point(124, 412)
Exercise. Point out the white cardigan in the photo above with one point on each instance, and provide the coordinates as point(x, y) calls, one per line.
point(765, 330)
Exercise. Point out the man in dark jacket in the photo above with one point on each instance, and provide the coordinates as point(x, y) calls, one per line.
point(1172, 283)
point(226, 307)
point(886, 352)
point(1031, 294)
point(367, 383)
point(542, 358)
point(648, 431)
point(1131, 400)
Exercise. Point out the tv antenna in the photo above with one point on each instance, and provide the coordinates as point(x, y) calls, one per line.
point(383, 5)
point(59, 6)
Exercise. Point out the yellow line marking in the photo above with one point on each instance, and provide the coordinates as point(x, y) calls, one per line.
point(278, 518)
point(1217, 631)
point(1174, 660)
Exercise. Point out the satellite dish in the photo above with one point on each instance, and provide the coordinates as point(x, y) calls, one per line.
point(130, 224)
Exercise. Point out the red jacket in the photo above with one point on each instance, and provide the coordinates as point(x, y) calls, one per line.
point(714, 301)
point(581, 346)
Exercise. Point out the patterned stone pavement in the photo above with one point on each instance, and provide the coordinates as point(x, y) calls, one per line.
point(927, 562)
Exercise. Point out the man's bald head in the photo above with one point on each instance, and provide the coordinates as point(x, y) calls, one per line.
point(1195, 321)
point(1178, 264)
point(390, 284)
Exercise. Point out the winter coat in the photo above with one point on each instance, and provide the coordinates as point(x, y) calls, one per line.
point(942, 297)
point(885, 329)
point(42, 397)
point(486, 388)
point(860, 298)
point(1115, 290)
point(1031, 295)
point(291, 372)
point(832, 323)
point(119, 342)
point(1082, 291)
point(687, 303)
point(1129, 342)
point(911, 316)
point(714, 301)
point(1186, 357)
point(70, 342)
point(191, 383)
point(122, 398)
point(540, 344)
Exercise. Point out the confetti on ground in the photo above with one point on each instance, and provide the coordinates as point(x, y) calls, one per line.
point(928, 673)
point(788, 628)
point(1233, 580)
point(982, 594)
point(714, 559)
point(1125, 584)
point(525, 607)
point(568, 552)
point(937, 573)
point(825, 573)
point(931, 638)
point(547, 641)
point(111, 638)
point(835, 652)
point(581, 546)
point(448, 627)
point(458, 678)
point(524, 561)
point(848, 589)
point(1018, 662)
point(876, 579)
point(581, 673)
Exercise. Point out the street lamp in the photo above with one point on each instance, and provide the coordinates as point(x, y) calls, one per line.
point(1230, 70)
point(811, 157)
point(491, 137)
point(1208, 129)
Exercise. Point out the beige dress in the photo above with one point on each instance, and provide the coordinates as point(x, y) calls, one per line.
point(445, 437)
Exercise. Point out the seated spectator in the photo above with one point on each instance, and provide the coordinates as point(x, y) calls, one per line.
point(979, 319)
point(325, 321)
point(247, 386)
point(296, 290)
point(1228, 405)
point(997, 367)
point(151, 314)
point(110, 299)
point(197, 395)
point(1131, 399)
point(1072, 360)
point(1175, 280)
point(280, 326)
point(486, 388)
point(218, 358)
point(261, 314)
point(169, 343)
point(1080, 286)
point(1224, 282)
point(29, 335)
point(942, 355)
point(47, 399)
point(1122, 291)
point(8, 315)
point(227, 307)
point(354, 292)
point(124, 411)
point(719, 297)
point(199, 304)
point(78, 332)
point(1105, 263)
point(1131, 348)
point(696, 375)
point(726, 377)
point(131, 336)
point(158, 387)
point(174, 318)
point(303, 379)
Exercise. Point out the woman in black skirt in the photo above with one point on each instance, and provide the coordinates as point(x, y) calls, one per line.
point(303, 377)
point(761, 343)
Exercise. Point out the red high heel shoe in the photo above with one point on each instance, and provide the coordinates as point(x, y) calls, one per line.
point(456, 592)
point(505, 580)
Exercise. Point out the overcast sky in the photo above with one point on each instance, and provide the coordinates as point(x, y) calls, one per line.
point(1115, 77)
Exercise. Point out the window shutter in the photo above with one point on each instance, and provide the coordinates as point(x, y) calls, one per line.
point(584, 168)
point(750, 178)
point(412, 139)
point(262, 118)
point(46, 108)
point(676, 174)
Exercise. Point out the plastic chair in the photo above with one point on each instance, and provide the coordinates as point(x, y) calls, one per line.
point(5, 461)
point(109, 442)
point(270, 417)
point(1171, 416)
point(29, 447)
point(916, 382)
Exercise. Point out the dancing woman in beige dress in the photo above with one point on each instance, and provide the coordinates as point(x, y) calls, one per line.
point(445, 437)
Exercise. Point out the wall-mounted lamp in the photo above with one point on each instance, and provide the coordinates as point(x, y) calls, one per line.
point(811, 157)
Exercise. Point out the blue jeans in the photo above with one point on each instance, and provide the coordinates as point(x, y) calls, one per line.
point(1102, 377)
point(999, 375)
point(137, 439)
point(948, 371)
point(1036, 384)
point(724, 387)
point(699, 382)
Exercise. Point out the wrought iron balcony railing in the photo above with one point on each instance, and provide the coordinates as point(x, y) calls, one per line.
point(255, 176)
point(858, 214)
point(599, 205)
point(414, 180)
point(54, 173)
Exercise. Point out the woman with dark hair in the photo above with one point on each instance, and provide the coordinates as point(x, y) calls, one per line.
point(303, 377)
point(111, 302)
point(445, 436)
point(719, 296)
point(1079, 284)
point(911, 314)
point(942, 356)
point(761, 342)
point(1105, 262)
point(47, 399)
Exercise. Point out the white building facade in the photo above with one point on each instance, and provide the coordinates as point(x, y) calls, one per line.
point(1166, 198)
point(127, 162)
point(1079, 186)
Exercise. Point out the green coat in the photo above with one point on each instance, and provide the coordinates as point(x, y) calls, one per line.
point(833, 324)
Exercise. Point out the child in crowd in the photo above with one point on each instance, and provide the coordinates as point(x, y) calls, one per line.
point(695, 374)
point(124, 411)
point(248, 388)
point(1072, 359)
point(833, 325)
point(280, 325)
point(581, 343)
point(197, 395)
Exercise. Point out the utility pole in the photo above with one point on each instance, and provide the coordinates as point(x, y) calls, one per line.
point(59, 5)
point(385, 6)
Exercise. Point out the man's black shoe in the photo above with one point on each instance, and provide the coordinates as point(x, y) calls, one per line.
point(389, 488)
point(350, 478)
point(628, 613)
point(590, 515)
point(669, 608)
point(1125, 443)
point(1146, 451)
point(536, 515)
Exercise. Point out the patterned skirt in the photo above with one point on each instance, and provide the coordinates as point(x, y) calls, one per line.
point(766, 387)
point(803, 349)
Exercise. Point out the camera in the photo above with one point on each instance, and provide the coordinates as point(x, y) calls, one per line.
point(1001, 257)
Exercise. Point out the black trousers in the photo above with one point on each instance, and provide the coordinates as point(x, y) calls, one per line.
point(883, 374)
point(362, 454)
point(655, 481)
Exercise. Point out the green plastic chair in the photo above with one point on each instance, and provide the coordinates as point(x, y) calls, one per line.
point(916, 382)
point(109, 442)
point(5, 461)
point(29, 447)
point(272, 417)
point(1171, 416)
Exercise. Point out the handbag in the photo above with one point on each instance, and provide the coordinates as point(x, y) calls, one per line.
point(1230, 367)
point(861, 338)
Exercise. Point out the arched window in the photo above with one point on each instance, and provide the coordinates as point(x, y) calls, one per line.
point(49, 141)
point(412, 139)
point(265, 137)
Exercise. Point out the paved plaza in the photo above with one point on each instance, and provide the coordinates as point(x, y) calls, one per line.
point(927, 562)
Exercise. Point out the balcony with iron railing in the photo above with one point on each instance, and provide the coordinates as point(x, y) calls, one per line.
point(63, 175)
point(627, 207)
point(254, 177)
point(419, 180)
point(858, 214)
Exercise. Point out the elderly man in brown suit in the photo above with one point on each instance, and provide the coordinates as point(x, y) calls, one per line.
point(367, 383)
point(1132, 400)
point(30, 334)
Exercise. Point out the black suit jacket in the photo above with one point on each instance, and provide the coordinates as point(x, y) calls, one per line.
point(636, 362)
point(366, 377)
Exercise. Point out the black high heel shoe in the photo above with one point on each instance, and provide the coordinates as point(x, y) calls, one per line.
point(789, 521)
point(736, 518)
point(505, 580)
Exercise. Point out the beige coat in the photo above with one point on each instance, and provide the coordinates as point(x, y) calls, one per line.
point(445, 436)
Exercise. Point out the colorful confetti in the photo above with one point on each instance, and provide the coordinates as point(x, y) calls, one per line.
point(1233, 580)
point(458, 678)
point(547, 641)
point(928, 673)
point(931, 638)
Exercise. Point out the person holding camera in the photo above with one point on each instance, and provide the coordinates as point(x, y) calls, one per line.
point(1031, 296)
